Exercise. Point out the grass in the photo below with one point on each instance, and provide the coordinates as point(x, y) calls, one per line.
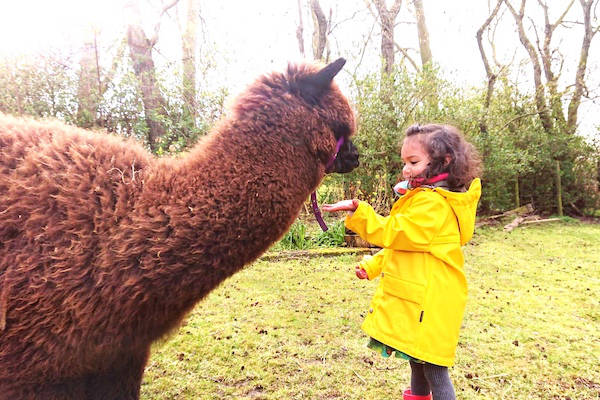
point(291, 329)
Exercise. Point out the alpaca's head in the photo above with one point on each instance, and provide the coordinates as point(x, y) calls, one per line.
point(307, 94)
point(314, 84)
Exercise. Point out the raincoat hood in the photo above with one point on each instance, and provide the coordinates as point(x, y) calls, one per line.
point(464, 205)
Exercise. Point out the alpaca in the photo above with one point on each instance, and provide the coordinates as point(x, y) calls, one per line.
point(104, 248)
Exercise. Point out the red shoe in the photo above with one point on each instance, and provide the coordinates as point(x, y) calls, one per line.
point(409, 396)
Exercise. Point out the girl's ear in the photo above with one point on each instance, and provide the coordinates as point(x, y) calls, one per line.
point(447, 160)
point(314, 85)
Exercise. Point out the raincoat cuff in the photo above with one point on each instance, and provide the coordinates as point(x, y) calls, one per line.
point(359, 210)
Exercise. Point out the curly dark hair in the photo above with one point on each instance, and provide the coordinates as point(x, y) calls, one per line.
point(446, 140)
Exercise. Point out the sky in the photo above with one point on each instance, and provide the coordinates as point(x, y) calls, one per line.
point(248, 38)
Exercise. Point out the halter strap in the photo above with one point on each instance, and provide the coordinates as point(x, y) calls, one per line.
point(338, 145)
point(313, 195)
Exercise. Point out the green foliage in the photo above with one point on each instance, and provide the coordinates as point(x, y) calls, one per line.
point(183, 129)
point(121, 109)
point(48, 87)
point(513, 145)
point(333, 237)
point(516, 148)
point(296, 237)
point(302, 236)
point(387, 105)
point(41, 86)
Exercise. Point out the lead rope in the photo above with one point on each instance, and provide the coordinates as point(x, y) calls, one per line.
point(313, 195)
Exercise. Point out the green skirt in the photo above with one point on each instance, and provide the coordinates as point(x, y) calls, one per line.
point(387, 351)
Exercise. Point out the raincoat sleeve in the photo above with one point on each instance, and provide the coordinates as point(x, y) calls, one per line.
point(373, 264)
point(412, 230)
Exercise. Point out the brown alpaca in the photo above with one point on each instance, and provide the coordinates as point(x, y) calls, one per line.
point(104, 249)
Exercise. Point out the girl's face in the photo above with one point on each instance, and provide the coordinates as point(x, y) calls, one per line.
point(415, 157)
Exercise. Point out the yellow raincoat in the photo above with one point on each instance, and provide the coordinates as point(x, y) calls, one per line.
point(420, 300)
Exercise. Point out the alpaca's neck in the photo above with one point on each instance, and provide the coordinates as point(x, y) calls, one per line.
point(224, 204)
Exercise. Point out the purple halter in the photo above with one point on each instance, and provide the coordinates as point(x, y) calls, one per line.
point(313, 195)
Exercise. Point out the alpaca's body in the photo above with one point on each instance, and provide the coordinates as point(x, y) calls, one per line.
point(103, 248)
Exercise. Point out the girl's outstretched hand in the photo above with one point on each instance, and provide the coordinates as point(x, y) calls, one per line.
point(360, 273)
point(344, 205)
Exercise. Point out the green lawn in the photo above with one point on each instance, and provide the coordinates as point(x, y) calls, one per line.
point(290, 329)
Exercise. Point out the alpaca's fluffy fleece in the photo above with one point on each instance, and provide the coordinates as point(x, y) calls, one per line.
point(104, 248)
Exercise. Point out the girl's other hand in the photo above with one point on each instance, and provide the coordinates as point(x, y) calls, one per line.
point(344, 205)
point(360, 273)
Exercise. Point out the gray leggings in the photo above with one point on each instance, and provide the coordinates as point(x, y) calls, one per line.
point(426, 378)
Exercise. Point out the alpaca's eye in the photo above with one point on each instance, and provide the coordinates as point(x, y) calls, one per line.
point(341, 129)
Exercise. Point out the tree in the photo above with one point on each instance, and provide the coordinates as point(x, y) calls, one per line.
point(300, 30)
point(93, 81)
point(491, 74)
point(319, 41)
point(320, 34)
point(89, 86)
point(189, 44)
point(423, 33)
point(544, 58)
point(387, 20)
point(425, 48)
point(140, 50)
point(589, 32)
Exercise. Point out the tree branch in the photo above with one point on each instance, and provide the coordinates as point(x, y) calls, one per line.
point(405, 54)
point(157, 26)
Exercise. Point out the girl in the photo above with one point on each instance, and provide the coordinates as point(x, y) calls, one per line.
point(418, 306)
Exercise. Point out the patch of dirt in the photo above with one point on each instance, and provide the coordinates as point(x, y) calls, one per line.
point(587, 383)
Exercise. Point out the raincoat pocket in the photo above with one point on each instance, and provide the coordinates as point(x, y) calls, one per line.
point(403, 289)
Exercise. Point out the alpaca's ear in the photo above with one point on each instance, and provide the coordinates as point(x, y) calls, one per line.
point(326, 75)
point(313, 86)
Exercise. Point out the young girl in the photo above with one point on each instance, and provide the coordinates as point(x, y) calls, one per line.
point(418, 306)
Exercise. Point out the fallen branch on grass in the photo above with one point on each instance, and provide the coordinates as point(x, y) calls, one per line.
point(522, 221)
point(535, 221)
point(519, 211)
point(359, 377)
point(515, 222)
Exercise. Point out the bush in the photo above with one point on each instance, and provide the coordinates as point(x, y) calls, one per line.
point(333, 237)
point(296, 238)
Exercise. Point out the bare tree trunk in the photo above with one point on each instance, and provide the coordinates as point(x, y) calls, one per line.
point(320, 32)
point(300, 30)
point(140, 50)
point(517, 199)
point(425, 50)
point(540, 97)
point(540, 94)
point(189, 43)
point(559, 203)
point(589, 32)
point(491, 77)
point(424, 47)
point(546, 54)
point(387, 19)
point(89, 85)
